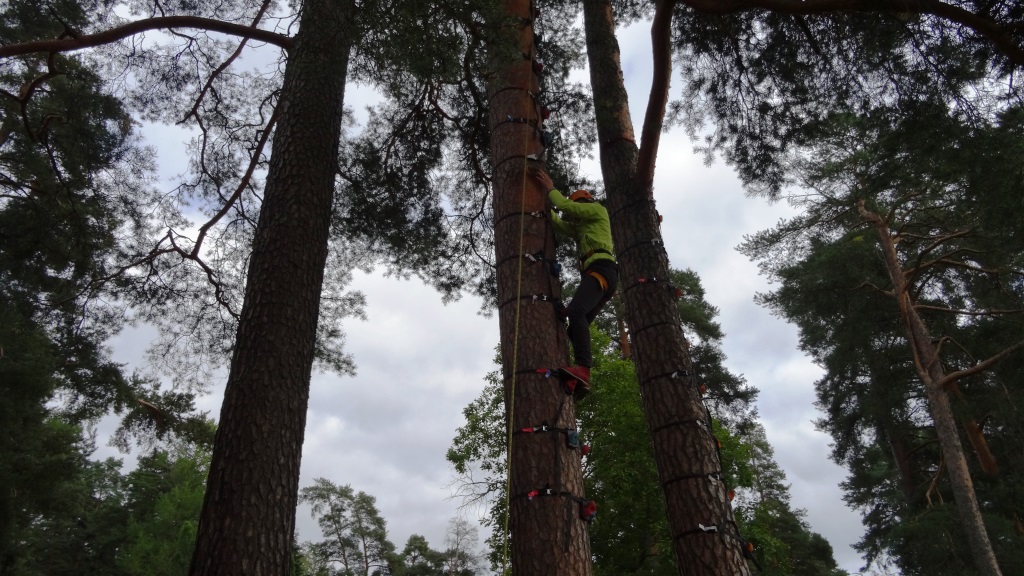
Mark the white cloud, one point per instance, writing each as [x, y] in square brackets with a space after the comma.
[386, 430]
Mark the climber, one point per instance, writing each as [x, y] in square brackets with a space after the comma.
[586, 222]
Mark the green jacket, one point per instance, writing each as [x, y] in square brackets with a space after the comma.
[586, 223]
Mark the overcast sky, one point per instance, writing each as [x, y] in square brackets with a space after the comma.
[385, 431]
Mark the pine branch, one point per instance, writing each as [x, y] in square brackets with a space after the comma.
[242, 184]
[953, 377]
[224, 65]
[71, 44]
[1000, 35]
[997, 312]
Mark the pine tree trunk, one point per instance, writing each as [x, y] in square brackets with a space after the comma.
[901, 456]
[248, 518]
[704, 534]
[930, 369]
[548, 536]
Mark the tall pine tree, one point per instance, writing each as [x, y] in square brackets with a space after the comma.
[865, 289]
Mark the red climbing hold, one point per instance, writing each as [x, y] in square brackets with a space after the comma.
[588, 511]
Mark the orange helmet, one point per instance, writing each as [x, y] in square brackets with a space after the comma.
[581, 195]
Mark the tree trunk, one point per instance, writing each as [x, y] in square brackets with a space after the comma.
[548, 536]
[930, 370]
[248, 517]
[625, 351]
[975, 434]
[901, 456]
[704, 535]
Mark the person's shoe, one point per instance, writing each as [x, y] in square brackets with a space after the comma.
[580, 380]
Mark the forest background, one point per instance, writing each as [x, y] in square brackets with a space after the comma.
[420, 361]
[389, 404]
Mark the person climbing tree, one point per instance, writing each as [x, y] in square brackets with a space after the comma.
[586, 222]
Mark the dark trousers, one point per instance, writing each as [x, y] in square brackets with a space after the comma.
[586, 303]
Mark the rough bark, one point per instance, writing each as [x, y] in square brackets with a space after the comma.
[248, 517]
[930, 370]
[704, 535]
[548, 537]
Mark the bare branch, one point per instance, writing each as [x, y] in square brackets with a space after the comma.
[871, 285]
[226, 63]
[967, 312]
[71, 44]
[25, 94]
[945, 238]
[211, 275]
[953, 377]
[253, 163]
[950, 263]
